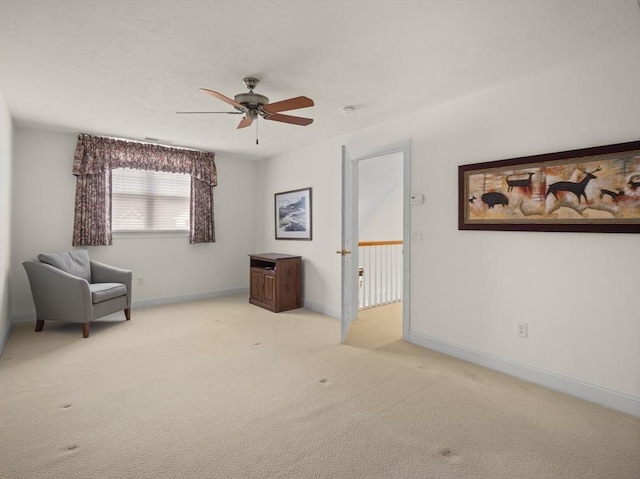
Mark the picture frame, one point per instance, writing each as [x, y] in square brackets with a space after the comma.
[293, 214]
[593, 189]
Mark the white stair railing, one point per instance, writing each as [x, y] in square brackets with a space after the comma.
[379, 273]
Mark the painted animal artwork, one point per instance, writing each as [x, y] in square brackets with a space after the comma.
[613, 194]
[577, 188]
[494, 198]
[515, 182]
[582, 189]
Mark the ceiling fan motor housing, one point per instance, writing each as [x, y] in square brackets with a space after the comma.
[251, 100]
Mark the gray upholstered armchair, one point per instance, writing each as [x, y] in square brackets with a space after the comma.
[71, 287]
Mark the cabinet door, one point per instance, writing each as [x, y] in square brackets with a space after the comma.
[255, 288]
[269, 288]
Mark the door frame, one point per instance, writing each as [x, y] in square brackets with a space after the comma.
[350, 189]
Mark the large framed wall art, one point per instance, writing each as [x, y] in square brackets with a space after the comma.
[588, 190]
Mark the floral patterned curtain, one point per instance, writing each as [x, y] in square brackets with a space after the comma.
[96, 156]
[202, 228]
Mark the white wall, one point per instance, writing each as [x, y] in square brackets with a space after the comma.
[380, 189]
[173, 269]
[474, 285]
[317, 167]
[385, 222]
[578, 292]
[6, 158]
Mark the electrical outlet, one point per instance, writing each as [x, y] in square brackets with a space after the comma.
[522, 330]
[140, 281]
[416, 237]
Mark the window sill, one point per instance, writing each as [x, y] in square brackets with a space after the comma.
[150, 234]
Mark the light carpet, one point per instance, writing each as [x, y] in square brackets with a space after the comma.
[223, 389]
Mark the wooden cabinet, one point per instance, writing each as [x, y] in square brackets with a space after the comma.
[275, 281]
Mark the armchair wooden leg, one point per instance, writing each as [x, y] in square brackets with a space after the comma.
[39, 325]
[85, 329]
[127, 313]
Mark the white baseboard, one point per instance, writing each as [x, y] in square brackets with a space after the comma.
[149, 302]
[321, 308]
[23, 318]
[589, 392]
[185, 298]
[5, 338]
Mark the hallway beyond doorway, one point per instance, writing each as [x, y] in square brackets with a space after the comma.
[377, 327]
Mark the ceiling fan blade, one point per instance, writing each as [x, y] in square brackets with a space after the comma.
[220, 96]
[295, 120]
[208, 112]
[290, 104]
[245, 122]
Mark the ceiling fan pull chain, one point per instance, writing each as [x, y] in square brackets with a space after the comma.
[257, 121]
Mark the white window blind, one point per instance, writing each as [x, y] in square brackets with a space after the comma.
[149, 200]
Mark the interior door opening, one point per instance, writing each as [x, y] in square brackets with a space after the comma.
[376, 233]
[380, 244]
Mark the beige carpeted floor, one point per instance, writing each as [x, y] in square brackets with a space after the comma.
[223, 389]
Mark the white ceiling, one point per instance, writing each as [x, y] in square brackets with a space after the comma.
[124, 67]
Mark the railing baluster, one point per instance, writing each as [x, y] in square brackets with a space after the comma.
[382, 273]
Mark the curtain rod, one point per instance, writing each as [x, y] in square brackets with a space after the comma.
[143, 142]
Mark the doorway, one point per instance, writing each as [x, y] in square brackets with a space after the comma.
[380, 189]
[376, 215]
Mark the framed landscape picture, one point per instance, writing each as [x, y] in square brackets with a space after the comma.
[588, 190]
[293, 214]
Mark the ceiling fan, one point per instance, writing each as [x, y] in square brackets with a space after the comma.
[252, 105]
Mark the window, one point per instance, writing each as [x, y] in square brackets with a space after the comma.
[145, 200]
[94, 160]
